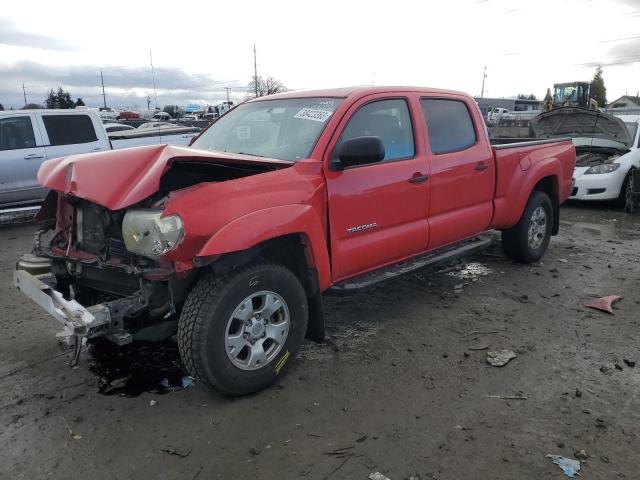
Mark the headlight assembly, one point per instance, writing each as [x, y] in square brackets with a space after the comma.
[604, 168]
[146, 233]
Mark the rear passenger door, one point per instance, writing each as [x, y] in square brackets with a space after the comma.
[21, 153]
[462, 170]
[66, 134]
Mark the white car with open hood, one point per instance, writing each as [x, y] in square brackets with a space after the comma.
[607, 149]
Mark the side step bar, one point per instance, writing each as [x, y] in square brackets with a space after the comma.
[367, 280]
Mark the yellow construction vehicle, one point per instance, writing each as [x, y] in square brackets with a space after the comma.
[572, 94]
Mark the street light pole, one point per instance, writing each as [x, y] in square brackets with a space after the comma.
[484, 75]
[255, 69]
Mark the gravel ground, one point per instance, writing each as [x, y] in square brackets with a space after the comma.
[402, 387]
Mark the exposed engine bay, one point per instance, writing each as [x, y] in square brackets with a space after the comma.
[590, 156]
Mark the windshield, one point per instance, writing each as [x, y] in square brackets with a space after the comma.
[633, 128]
[281, 129]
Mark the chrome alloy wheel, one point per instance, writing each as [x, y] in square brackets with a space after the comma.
[257, 330]
[537, 228]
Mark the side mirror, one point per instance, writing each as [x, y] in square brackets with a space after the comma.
[359, 151]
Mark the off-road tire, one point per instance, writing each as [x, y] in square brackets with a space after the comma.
[203, 322]
[515, 240]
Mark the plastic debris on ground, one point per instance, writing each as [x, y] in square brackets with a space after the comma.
[499, 358]
[604, 303]
[378, 476]
[569, 466]
[186, 382]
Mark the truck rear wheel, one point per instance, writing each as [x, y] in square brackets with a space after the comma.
[527, 241]
[239, 332]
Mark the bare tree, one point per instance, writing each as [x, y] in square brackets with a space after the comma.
[266, 86]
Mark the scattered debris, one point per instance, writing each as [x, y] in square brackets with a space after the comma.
[499, 358]
[73, 435]
[629, 363]
[186, 382]
[153, 402]
[479, 347]
[341, 452]
[604, 459]
[478, 332]
[378, 476]
[569, 466]
[581, 454]
[617, 366]
[182, 452]
[578, 393]
[255, 451]
[509, 397]
[562, 260]
[604, 303]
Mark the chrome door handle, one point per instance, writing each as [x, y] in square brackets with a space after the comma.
[481, 167]
[419, 179]
[97, 149]
[33, 155]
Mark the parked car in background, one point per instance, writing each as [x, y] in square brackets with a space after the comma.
[607, 146]
[161, 116]
[117, 127]
[29, 137]
[127, 115]
[108, 114]
[231, 243]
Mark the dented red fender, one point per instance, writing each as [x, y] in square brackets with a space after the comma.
[259, 226]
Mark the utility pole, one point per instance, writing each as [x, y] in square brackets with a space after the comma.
[255, 68]
[484, 75]
[148, 102]
[227, 89]
[104, 98]
[24, 92]
[153, 75]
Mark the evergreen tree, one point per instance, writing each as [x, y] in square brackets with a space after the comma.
[598, 90]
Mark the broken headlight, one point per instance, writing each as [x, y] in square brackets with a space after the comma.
[148, 234]
[604, 168]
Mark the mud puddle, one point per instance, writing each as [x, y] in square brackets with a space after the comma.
[137, 368]
[470, 271]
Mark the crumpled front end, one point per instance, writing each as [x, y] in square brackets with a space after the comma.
[95, 286]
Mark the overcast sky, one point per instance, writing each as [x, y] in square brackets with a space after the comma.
[201, 47]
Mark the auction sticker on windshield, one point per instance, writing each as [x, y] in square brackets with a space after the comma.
[315, 114]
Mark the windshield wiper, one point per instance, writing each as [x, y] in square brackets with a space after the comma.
[250, 154]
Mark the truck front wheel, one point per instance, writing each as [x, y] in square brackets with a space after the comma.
[239, 332]
[527, 241]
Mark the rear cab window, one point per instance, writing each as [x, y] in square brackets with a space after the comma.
[69, 129]
[449, 125]
[388, 119]
[16, 133]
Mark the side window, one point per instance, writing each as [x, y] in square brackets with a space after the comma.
[387, 119]
[69, 129]
[16, 133]
[449, 125]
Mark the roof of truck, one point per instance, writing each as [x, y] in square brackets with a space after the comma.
[357, 91]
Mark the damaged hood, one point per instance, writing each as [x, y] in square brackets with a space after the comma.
[120, 178]
[580, 122]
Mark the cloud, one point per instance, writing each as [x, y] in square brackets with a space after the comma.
[125, 86]
[12, 36]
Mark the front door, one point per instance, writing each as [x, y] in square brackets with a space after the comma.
[378, 212]
[21, 154]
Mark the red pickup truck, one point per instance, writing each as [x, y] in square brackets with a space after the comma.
[231, 243]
